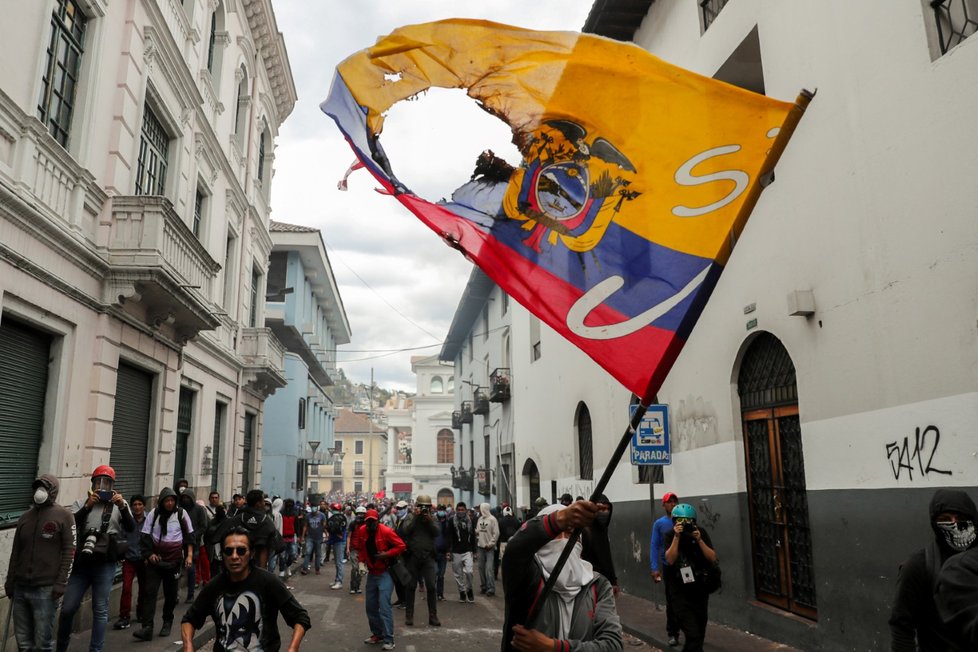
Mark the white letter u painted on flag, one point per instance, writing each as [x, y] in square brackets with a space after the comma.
[600, 292]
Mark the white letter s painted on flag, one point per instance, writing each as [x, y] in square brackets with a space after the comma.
[684, 177]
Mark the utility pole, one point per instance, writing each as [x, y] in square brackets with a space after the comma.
[370, 437]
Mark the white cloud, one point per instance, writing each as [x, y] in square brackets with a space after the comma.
[432, 144]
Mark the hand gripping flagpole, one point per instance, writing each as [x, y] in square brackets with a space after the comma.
[767, 168]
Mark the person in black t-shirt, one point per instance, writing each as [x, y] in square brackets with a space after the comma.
[245, 602]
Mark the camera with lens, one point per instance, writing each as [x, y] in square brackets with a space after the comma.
[91, 538]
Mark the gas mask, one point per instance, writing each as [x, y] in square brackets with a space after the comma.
[102, 487]
[958, 535]
[40, 496]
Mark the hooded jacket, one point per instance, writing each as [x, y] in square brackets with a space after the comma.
[914, 621]
[44, 543]
[486, 528]
[199, 516]
[597, 544]
[594, 624]
[166, 534]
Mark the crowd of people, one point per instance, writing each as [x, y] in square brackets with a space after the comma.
[237, 560]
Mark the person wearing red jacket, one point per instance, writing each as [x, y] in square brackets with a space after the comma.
[378, 546]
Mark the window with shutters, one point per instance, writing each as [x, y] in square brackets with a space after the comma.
[131, 428]
[154, 151]
[584, 453]
[446, 446]
[24, 355]
[185, 410]
[358, 447]
[358, 487]
[256, 277]
[358, 468]
[59, 81]
[220, 410]
[249, 439]
[199, 200]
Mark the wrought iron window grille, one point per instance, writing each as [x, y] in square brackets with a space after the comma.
[956, 20]
[710, 9]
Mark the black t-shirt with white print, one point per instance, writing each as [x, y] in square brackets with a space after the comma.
[246, 612]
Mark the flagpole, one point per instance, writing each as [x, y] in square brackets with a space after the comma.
[599, 488]
[765, 176]
[767, 168]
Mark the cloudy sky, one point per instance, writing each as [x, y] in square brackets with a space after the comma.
[399, 284]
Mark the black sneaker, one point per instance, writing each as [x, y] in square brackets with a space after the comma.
[461, 597]
[122, 623]
[144, 633]
[165, 629]
[469, 596]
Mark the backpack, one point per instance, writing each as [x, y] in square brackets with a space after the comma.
[336, 525]
[183, 526]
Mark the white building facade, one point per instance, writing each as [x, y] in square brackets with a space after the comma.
[421, 443]
[136, 151]
[828, 388]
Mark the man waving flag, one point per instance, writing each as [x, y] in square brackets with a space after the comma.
[636, 179]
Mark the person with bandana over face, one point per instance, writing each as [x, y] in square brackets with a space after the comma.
[357, 567]
[40, 561]
[461, 545]
[597, 545]
[914, 621]
[377, 546]
[580, 611]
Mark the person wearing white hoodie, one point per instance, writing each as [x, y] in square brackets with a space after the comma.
[487, 534]
[277, 518]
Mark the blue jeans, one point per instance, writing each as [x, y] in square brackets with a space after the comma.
[34, 617]
[191, 573]
[83, 575]
[442, 560]
[287, 557]
[378, 603]
[487, 574]
[339, 549]
[313, 549]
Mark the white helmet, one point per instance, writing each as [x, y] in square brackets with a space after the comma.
[361, 510]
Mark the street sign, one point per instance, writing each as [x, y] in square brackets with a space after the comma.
[650, 443]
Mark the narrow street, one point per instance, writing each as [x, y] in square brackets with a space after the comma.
[339, 622]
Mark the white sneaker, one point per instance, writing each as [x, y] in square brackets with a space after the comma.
[387, 646]
[336, 585]
[281, 573]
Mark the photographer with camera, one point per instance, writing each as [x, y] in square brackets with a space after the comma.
[689, 558]
[419, 532]
[101, 522]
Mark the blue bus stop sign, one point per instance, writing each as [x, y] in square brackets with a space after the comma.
[650, 443]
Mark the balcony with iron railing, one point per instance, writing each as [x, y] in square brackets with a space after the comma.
[466, 412]
[480, 401]
[457, 420]
[263, 358]
[499, 382]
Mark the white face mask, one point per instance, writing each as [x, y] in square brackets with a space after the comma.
[41, 496]
[958, 536]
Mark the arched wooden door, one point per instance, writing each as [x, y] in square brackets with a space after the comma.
[780, 528]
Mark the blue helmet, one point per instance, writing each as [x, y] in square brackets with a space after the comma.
[684, 510]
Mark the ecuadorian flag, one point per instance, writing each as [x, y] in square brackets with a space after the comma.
[636, 179]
